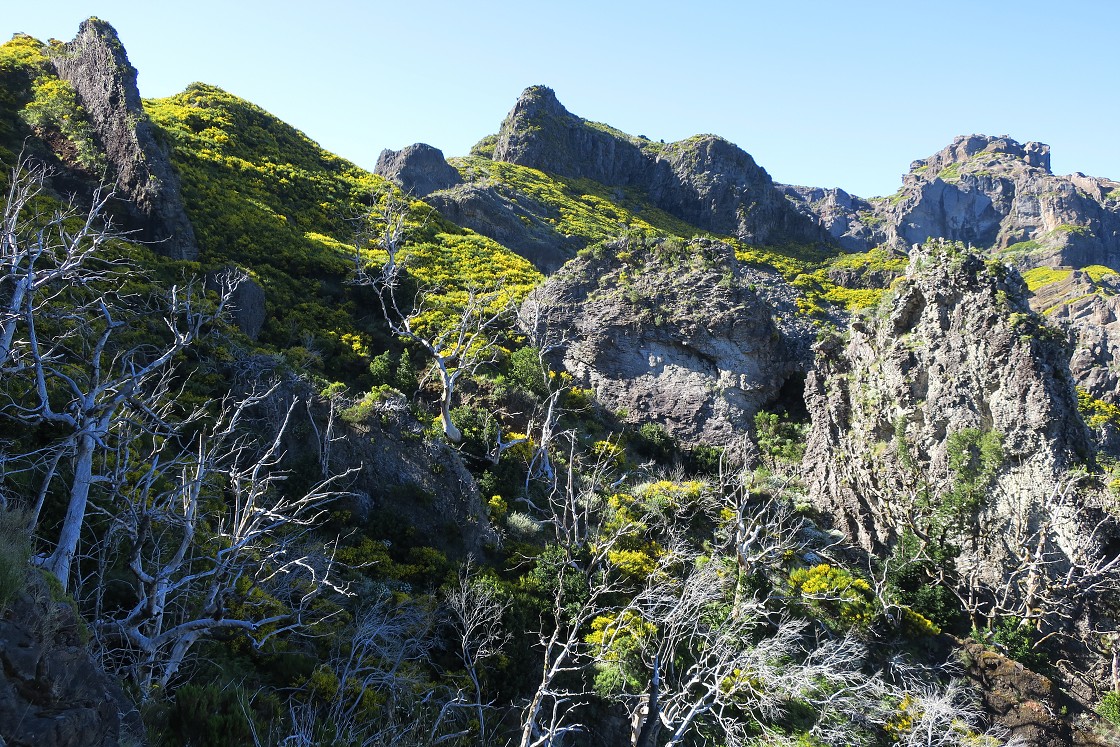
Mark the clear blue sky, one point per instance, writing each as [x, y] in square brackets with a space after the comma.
[828, 94]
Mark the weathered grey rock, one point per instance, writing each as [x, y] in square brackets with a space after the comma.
[680, 335]
[954, 347]
[418, 169]
[704, 180]
[96, 65]
[515, 220]
[51, 691]
[1089, 311]
[847, 219]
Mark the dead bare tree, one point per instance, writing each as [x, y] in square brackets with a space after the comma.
[211, 539]
[586, 587]
[88, 387]
[458, 344]
[43, 252]
[64, 332]
[476, 617]
[385, 661]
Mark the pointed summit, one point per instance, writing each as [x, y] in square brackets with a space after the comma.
[705, 180]
[96, 65]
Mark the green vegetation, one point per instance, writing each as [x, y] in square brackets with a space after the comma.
[1109, 708]
[46, 104]
[1040, 277]
[263, 196]
[577, 207]
[1097, 413]
[1075, 230]
[628, 555]
[15, 549]
[975, 458]
[1016, 638]
[779, 440]
[1022, 248]
[1096, 272]
[834, 594]
[951, 173]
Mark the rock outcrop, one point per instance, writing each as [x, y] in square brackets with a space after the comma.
[51, 691]
[1089, 310]
[246, 307]
[413, 488]
[678, 334]
[513, 219]
[1032, 709]
[418, 169]
[847, 219]
[952, 355]
[990, 192]
[704, 180]
[96, 65]
[416, 488]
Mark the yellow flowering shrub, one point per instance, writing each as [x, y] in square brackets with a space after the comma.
[834, 594]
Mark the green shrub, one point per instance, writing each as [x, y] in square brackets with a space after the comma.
[209, 716]
[15, 549]
[654, 442]
[975, 458]
[914, 575]
[524, 371]
[779, 440]
[1016, 639]
[1109, 708]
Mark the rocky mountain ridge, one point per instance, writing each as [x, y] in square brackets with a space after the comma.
[990, 192]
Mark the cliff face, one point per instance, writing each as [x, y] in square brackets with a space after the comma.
[1088, 310]
[681, 335]
[954, 347]
[987, 192]
[703, 180]
[951, 413]
[96, 65]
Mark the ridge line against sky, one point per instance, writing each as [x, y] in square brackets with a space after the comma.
[820, 93]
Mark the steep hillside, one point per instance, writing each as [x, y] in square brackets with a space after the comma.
[265, 197]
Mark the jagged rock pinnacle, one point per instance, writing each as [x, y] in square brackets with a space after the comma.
[96, 65]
